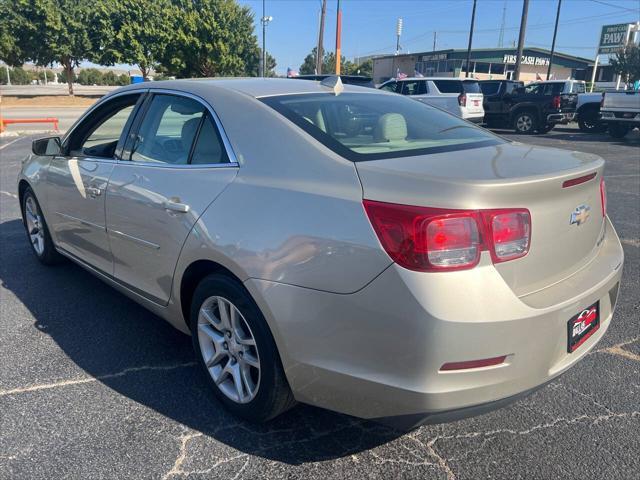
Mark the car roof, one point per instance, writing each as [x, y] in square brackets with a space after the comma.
[433, 78]
[253, 87]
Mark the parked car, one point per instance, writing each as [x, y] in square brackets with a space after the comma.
[536, 107]
[459, 96]
[359, 80]
[620, 111]
[355, 250]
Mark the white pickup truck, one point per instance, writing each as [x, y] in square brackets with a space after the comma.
[621, 112]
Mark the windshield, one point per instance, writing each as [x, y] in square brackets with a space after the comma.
[361, 126]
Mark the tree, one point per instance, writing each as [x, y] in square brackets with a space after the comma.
[308, 66]
[627, 63]
[135, 32]
[17, 75]
[48, 31]
[90, 76]
[210, 38]
[62, 77]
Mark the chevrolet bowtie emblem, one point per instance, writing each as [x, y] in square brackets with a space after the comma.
[580, 215]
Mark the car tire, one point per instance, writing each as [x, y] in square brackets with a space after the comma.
[223, 338]
[37, 230]
[588, 122]
[617, 130]
[525, 122]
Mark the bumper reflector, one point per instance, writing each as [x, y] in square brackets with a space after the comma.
[485, 362]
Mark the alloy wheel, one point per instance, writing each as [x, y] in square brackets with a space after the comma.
[524, 123]
[229, 349]
[35, 226]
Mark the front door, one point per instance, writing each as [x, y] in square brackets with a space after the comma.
[176, 167]
[78, 182]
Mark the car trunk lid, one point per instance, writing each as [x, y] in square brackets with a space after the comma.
[566, 222]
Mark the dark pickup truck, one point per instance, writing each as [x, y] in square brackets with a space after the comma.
[534, 108]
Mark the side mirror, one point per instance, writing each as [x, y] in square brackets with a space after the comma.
[47, 146]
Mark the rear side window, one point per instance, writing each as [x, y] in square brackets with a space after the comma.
[168, 130]
[449, 86]
[552, 88]
[490, 88]
[361, 126]
[578, 88]
[208, 148]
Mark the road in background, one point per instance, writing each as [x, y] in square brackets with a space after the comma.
[94, 386]
[60, 89]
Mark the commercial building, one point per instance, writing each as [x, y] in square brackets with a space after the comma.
[486, 63]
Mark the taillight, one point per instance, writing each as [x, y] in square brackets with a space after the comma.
[510, 234]
[555, 103]
[462, 99]
[432, 239]
[603, 197]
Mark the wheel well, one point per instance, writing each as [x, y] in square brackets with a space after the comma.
[192, 277]
[22, 187]
[589, 108]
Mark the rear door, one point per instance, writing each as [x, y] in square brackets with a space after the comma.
[77, 181]
[175, 165]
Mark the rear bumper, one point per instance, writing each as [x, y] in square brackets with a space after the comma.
[476, 120]
[620, 117]
[562, 118]
[377, 353]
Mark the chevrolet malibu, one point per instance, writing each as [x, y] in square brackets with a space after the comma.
[338, 246]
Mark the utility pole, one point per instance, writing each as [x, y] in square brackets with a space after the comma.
[320, 48]
[398, 33]
[553, 43]
[265, 21]
[435, 38]
[8, 76]
[473, 20]
[523, 28]
[338, 32]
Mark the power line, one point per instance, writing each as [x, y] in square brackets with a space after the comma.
[635, 10]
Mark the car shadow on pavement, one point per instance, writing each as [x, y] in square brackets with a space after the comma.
[575, 135]
[142, 357]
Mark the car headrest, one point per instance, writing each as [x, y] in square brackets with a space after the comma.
[391, 126]
[189, 129]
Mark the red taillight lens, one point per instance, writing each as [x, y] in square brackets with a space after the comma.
[511, 233]
[462, 99]
[485, 362]
[453, 242]
[603, 197]
[555, 103]
[431, 239]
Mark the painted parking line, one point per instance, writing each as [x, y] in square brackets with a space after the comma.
[3, 146]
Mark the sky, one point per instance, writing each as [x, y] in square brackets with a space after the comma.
[369, 26]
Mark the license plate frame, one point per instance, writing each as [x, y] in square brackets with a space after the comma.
[582, 326]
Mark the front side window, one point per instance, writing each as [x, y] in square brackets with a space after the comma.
[361, 126]
[168, 130]
[413, 87]
[533, 89]
[390, 87]
[98, 134]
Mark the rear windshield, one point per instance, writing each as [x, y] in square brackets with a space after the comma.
[361, 126]
[490, 88]
[457, 86]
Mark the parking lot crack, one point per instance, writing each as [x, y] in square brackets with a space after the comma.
[619, 350]
[440, 460]
[79, 381]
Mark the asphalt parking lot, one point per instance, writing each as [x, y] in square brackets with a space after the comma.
[94, 386]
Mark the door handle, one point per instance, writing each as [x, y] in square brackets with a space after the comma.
[174, 206]
[93, 192]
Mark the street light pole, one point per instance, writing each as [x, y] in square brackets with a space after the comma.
[523, 28]
[320, 48]
[473, 20]
[265, 21]
[553, 43]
